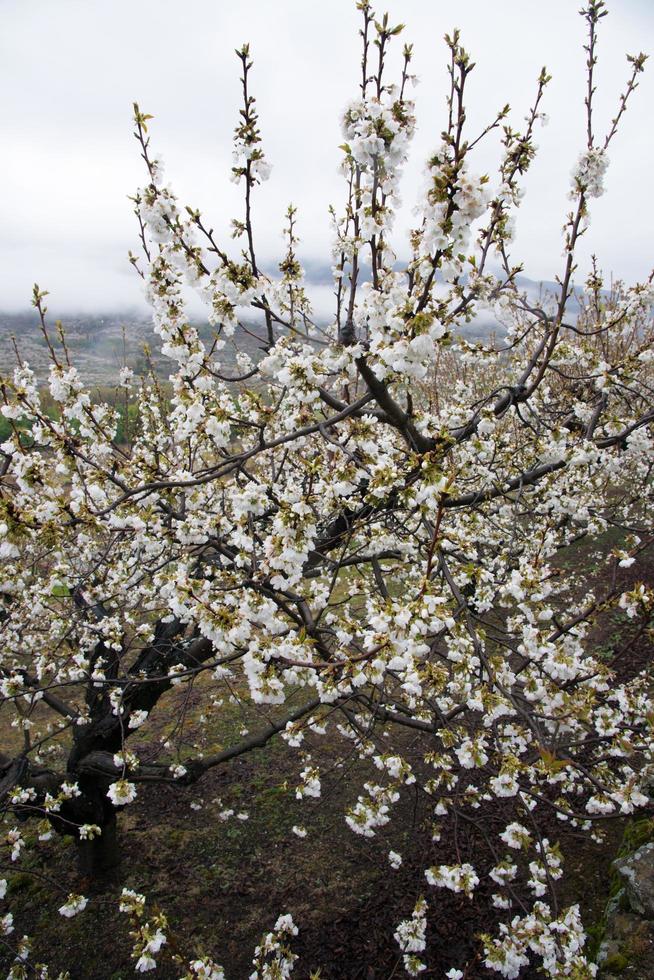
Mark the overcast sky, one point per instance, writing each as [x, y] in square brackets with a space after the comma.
[70, 70]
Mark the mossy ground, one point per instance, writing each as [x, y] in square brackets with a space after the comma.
[223, 883]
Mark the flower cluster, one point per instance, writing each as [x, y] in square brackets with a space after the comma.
[410, 936]
[588, 175]
[273, 957]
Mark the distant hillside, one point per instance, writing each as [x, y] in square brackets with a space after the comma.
[101, 344]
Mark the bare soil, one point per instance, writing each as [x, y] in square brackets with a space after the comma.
[223, 883]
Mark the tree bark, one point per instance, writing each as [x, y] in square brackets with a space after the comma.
[98, 857]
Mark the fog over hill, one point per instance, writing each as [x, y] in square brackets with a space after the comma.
[101, 343]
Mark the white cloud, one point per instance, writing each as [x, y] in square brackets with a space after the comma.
[74, 68]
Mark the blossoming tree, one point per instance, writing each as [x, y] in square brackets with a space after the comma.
[360, 530]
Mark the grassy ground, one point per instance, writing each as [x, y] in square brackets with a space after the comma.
[222, 883]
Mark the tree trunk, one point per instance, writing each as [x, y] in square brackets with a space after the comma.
[98, 857]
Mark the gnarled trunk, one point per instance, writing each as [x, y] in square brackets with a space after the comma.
[98, 857]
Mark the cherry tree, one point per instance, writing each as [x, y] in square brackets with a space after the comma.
[358, 529]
